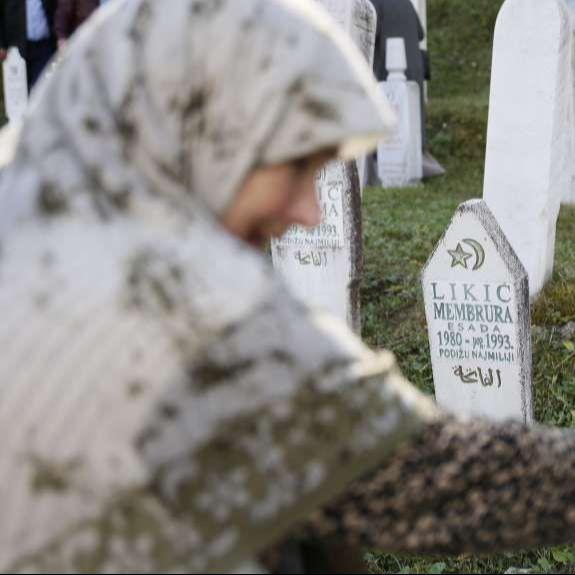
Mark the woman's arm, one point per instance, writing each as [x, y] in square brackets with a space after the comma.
[286, 412]
[274, 418]
[463, 487]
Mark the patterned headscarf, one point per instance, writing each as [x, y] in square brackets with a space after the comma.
[185, 99]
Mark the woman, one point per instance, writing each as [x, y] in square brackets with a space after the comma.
[166, 405]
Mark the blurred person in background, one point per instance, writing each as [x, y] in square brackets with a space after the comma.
[399, 19]
[29, 26]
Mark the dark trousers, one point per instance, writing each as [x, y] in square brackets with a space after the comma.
[38, 54]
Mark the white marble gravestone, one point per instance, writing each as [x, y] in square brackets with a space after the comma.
[477, 307]
[15, 85]
[359, 19]
[569, 198]
[529, 138]
[323, 265]
[363, 27]
[399, 157]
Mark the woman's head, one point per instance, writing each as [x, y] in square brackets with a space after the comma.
[273, 198]
[187, 101]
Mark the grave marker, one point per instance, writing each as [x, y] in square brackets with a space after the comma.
[477, 307]
[323, 265]
[528, 169]
[359, 19]
[363, 28]
[399, 157]
[569, 198]
[15, 85]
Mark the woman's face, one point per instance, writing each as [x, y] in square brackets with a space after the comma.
[274, 198]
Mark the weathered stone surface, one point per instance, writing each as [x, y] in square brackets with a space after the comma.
[363, 27]
[359, 19]
[477, 307]
[323, 265]
[529, 158]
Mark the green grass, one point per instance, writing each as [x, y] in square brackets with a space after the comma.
[460, 40]
[401, 228]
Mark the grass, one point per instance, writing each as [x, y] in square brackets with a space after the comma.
[401, 228]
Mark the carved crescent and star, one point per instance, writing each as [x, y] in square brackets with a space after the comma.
[459, 257]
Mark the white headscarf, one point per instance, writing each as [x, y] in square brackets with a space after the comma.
[190, 96]
[140, 342]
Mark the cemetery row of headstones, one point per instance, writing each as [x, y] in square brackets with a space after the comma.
[476, 289]
[474, 285]
[400, 157]
[478, 282]
[481, 278]
[497, 254]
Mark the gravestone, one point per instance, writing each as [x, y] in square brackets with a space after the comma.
[477, 307]
[363, 28]
[359, 19]
[528, 168]
[323, 265]
[569, 198]
[399, 157]
[15, 85]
